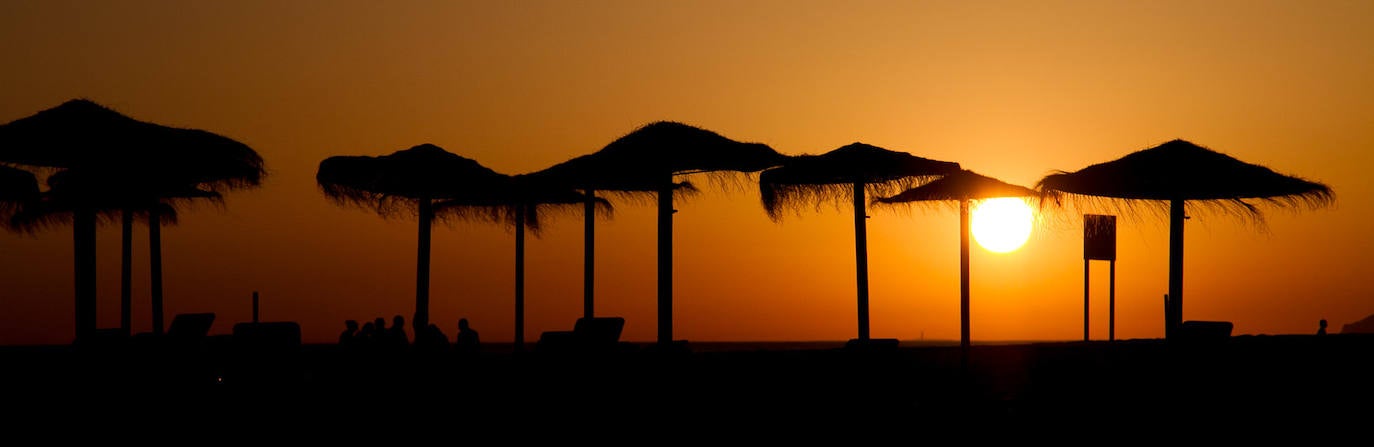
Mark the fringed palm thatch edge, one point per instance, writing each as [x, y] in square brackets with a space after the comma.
[18, 188]
[779, 198]
[33, 219]
[681, 190]
[385, 205]
[506, 210]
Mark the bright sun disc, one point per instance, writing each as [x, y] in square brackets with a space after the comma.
[1002, 224]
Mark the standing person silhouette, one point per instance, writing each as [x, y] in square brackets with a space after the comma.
[466, 342]
[367, 336]
[381, 338]
[349, 337]
[431, 339]
[1321, 327]
[396, 334]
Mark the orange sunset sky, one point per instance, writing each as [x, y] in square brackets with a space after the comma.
[1010, 89]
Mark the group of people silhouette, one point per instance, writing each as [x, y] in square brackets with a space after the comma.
[375, 335]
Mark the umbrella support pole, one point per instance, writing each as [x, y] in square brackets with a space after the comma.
[421, 319]
[520, 278]
[964, 339]
[126, 248]
[665, 264]
[83, 230]
[155, 267]
[861, 258]
[1175, 313]
[588, 255]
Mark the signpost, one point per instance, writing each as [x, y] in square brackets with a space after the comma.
[1099, 243]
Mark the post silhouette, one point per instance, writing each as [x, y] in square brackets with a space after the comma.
[589, 255]
[126, 247]
[861, 257]
[964, 339]
[1099, 243]
[1111, 302]
[83, 230]
[155, 261]
[422, 262]
[1085, 298]
[520, 278]
[1175, 313]
[665, 262]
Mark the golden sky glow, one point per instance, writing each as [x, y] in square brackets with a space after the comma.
[1010, 89]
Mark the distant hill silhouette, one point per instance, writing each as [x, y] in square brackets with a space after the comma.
[1365, 326]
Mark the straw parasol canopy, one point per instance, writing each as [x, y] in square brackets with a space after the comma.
[643, 164]
[17, 187]
[1185, 177]
[407, 183]
[849, 173]
[964, 186]
[81, 134]
[523, 203]
[646, 158]
[151, 162]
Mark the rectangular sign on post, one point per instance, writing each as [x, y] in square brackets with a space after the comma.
[1099, 237]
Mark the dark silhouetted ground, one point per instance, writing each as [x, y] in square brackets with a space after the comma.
[1294, 380]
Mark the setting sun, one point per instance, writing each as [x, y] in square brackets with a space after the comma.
[1001, 225]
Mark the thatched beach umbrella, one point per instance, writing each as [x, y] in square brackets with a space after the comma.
[162, 161]
[1181, 175]
[963, 187]
[407, 182]
[846, 174]
[523, 203]
[643, 163]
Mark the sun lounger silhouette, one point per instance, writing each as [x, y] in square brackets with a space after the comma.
[597, 334]
[1205, 331]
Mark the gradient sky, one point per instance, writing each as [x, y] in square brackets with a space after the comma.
[1010, 89]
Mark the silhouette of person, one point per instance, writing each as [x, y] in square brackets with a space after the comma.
[431, 338]
[367, 335]
[466, 342]
[379, 334]
[396, 335]
[1321, 327]
[349, 337]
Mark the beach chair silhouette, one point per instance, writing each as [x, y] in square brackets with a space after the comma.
[190, 327]
[597, 334]
[187, 331]
[1205, 331]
